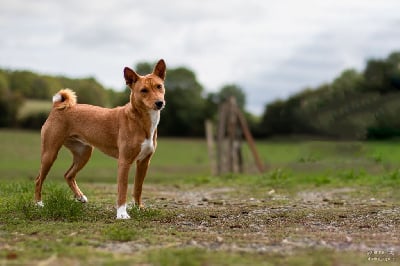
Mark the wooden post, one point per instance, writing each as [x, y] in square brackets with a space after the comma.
[220, 139]
[210, 146]
[229, 153]
[232, 127]
[250, 140]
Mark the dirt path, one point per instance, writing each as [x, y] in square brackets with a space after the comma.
[228, 219]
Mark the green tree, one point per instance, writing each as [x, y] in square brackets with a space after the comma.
[214, 99]
[184, 112]
[88, 90]
[233, 90]
[346, 108]
[348, 82]
[272, 121]
[91, 92]
[383, 75]
[144, 68]
[40, 88]
[20, 81]
[10, 102]
[376, 76]
[4, 85]
[394, 61]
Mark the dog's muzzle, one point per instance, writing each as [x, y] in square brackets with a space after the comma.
[159, 105]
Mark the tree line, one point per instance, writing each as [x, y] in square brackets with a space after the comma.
[188, 105]
[355, 105]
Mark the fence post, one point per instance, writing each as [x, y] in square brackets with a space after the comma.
[231, 125]
[210, 146]
[250, 140]
[220, 139]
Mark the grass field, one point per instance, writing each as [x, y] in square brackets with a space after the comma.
[31, 106]
[319, 203]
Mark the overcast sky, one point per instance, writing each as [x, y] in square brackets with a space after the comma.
[270, 48]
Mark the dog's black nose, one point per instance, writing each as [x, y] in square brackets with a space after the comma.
[159, 104]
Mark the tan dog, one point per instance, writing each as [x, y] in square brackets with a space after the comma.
[127, 133]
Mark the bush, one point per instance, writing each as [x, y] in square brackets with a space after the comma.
[382, 132]
[33, 121]
[9, 106]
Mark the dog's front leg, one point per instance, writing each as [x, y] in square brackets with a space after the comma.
[123, 173]
[141, 170]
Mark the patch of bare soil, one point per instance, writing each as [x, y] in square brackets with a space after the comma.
[227, 219]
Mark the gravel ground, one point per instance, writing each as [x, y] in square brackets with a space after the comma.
[228, 219]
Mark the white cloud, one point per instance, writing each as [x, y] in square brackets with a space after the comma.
[270, 48]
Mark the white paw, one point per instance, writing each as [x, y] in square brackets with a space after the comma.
[40, 204]
[124, 216]
[121, 212]
[82, 199]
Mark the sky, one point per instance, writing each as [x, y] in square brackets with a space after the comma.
[271, 49]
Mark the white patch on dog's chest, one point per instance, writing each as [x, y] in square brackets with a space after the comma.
[147, 146]
[146, 149]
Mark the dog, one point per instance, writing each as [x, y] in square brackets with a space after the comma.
[127, 133]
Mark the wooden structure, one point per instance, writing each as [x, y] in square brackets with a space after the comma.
[232, 126]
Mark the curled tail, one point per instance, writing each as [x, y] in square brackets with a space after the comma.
[64, 99]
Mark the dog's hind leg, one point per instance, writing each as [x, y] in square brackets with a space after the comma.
[81, 154]
[48, 156]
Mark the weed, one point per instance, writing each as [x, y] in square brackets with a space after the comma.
[390, 178]
[308, 158]
[352, 175]
[144, 214]
[395, 175]
[59, 206]
[197, 257]
[15, 188]
[177, 257]
[277, 178]
[322, 180]
[129, 230]
[278, 174]
[377, 157]
[122, 231]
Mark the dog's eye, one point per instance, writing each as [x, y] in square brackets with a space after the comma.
[144, 90]
[159, 86]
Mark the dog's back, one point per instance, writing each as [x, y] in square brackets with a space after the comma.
[90, 124]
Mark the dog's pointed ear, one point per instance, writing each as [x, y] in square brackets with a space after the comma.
[130, 76]
[160, 69]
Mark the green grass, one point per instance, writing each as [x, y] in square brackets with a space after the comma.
[199, 257]
[187, 160]
[20, 159]
[34, 106]
[171, 231]
[291, 165]
[64, 226]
